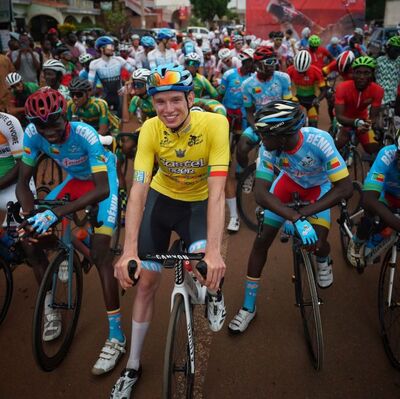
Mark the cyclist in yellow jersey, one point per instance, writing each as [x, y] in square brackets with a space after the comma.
[186, 195]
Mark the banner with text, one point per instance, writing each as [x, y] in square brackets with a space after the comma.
[324, 18]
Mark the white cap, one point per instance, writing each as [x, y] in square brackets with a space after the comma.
[334, 40]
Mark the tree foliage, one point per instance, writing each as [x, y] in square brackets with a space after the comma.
[207, 9]
[115, 19]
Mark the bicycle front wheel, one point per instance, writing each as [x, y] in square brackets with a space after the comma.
[389, 309]
[6, 289]
[178, 380]
[309, 304]
[49, 353]
[245, 197]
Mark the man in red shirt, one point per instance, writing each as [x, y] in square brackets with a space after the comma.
[319, 54]
[352, 99]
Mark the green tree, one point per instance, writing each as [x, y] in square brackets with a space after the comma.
[115, 19]
[206, 9]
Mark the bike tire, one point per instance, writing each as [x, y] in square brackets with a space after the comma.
[178, 380]
[49, 355]
[47, 172]
[389, 316]
[353, 207]
[309, 304]
[7, 287]
[245, 197]
[358, 168]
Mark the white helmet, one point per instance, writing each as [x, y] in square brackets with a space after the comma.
[306, 32]
[246, 54]
[192, 57]
[206, 50]
[302, 61]
[135, 37]
[224, 53]
[85, 58]
[141, 74]
[13, 78]
[124, 47]
[334, 40]
[199, 36]
[54, 65]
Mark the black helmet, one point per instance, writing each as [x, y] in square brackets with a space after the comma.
[279, 118]
[78, 84]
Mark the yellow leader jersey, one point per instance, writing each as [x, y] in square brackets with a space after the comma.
[185, 158]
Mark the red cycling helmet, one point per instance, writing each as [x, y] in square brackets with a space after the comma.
[344, 61]
[45, 105]
[263, 52]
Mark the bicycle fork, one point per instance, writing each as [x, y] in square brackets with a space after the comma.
[392, 266]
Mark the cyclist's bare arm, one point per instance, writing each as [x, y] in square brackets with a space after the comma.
[370, 202]
[344, 120]
[24, 194]
[269, 201]
[11, 176]
[215, 228]
[125, 103]
[250, 115]
[341, 189]
[134, 214]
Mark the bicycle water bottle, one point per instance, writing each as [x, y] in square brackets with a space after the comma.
[375, 243]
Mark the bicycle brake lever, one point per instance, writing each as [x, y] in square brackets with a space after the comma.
[132, 266]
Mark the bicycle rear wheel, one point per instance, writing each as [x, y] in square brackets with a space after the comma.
[357, 168]
[353, 209]
[49, 354]
[178, 380]
[389, 309]
[6, 289]
[245, 197]
[47, 172]
[308, 302]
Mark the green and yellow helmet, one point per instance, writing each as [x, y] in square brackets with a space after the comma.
[314, 41]
[393, 41]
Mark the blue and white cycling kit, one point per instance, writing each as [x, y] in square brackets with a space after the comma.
[80, 155]
[258, 94]
[312, 165]
[108, 71]
[384, 175]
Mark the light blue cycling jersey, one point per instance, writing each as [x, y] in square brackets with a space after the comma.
[257, 93]
[384, 175]
[80, 155]
[313, 162]
[231, 88]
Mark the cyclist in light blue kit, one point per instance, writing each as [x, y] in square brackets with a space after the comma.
[107, 69]
[310, 165]
[91, 179]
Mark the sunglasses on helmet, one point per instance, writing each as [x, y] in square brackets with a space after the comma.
[192, 63]
[51, 119]
[170, 78]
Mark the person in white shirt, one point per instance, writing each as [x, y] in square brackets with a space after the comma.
[237, 45]
[163, 54]
[136, 47]
[149, 44]
[226, 61]
[210, 63]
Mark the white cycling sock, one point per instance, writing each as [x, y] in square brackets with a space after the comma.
[231, 202]
[139, 331]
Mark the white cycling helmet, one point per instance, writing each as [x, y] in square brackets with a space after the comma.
[13, 78]
[124, 47]
[192, 57]
[85, 58]
[206, 50]
[224, 54]
[135, 37]
[54, 65]
[197, 108]
[302, 61]
[141, 74]
[334, 40]
[306, 32]
[246, 54]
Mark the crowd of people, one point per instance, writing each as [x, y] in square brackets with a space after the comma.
[202, 104]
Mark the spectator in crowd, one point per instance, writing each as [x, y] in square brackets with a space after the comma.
[90, 48]
[305, 34]
[71, 43]
[135, 46]
[148, 44]
[290, 42]
[6, 67]
[52, 35]
[26, 61]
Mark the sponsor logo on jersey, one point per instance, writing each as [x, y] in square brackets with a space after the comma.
[268, 165]
[5, 150]
[87, 134]
[180, 153]
[195, 140]
[183, 168]
[322, 143]
[27, 150]
[307, 161]
[284, 163]
[67, 162]
[257, 90]
[141, 176]
[9, 123]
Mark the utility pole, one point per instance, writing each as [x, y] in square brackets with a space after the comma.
[142, 16]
